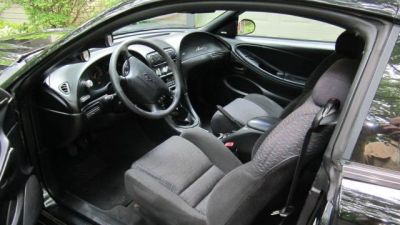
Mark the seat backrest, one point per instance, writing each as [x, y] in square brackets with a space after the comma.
[349, 45]
[246, 190]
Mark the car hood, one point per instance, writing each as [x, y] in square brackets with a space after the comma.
[12, 48]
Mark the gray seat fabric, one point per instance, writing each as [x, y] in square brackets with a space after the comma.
[348, 45]
[177, 177]
[195, 179]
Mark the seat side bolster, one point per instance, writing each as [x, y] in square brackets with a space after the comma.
[159, 201]
[272, 108]
[243, 193]
[213, 148]
[229, 195]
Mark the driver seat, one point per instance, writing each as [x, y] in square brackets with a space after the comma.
[194, 179]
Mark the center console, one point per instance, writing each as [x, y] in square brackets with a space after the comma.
[183, 116]
[160, 66]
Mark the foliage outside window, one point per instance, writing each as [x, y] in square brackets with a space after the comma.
[276, 25]
[45, 14]
[379, 141]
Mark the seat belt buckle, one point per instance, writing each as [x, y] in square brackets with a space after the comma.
[285, 212]
[231, 146]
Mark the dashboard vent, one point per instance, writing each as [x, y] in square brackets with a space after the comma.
[64, 88]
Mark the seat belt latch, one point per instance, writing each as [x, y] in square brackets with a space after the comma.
[327, 114]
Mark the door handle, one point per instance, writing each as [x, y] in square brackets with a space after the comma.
[260, 63]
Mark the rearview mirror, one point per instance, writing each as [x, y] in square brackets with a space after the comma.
[246, 26]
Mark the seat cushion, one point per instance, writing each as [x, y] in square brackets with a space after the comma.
[243, 110]
[174, 180]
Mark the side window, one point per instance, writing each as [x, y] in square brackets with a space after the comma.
[379, 140]
[283, 26]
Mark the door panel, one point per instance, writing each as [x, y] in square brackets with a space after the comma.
[366, 193]
[277, 69]
[20, 191]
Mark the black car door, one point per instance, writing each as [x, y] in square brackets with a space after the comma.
[20, 191]
[278, 55]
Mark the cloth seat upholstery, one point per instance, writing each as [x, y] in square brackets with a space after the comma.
[194, 179]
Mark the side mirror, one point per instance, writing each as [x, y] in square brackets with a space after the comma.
[246, 26]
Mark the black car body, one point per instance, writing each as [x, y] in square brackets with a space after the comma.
[64, 125]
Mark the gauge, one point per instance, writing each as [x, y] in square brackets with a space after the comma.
[98, 77]
[85, 55]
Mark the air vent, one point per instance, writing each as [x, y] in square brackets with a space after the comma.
[64, 88]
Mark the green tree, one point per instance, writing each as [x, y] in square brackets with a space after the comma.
[5, 4]
[62, 13]
[54, 13]
[45, 14]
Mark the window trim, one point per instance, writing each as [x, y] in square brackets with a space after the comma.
[267, 41]
[371, 174]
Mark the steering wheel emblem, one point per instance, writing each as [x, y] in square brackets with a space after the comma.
[126, 69]
[147, 77]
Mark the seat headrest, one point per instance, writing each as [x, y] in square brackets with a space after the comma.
[335, 82]
[349, 44]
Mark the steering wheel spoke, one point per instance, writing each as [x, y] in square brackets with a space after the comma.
[126, 54]
[154, 107]
[121, 78]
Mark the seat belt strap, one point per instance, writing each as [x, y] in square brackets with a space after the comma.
[327, 116]
[229, 116]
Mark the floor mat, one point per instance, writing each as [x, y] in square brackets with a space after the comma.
[98, 176]
[128, 215]
[106, 189]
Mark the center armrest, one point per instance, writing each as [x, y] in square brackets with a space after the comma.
[263, 123]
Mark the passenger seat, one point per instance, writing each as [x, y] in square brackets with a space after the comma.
[348, 45]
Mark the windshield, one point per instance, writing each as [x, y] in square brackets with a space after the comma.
[19, 42]
[13, 47]
[173, 20]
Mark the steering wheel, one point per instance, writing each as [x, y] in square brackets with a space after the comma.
[139, 84]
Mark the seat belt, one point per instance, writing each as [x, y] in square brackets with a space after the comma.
[229, 117]
[327, 116]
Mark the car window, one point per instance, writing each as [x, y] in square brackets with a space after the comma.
[173, 20]
[283, 26]
[379, 140]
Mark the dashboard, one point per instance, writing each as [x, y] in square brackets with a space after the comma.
[201, 45]
[83, 86]
[97, 77]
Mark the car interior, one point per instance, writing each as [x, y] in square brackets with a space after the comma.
[188, 126]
